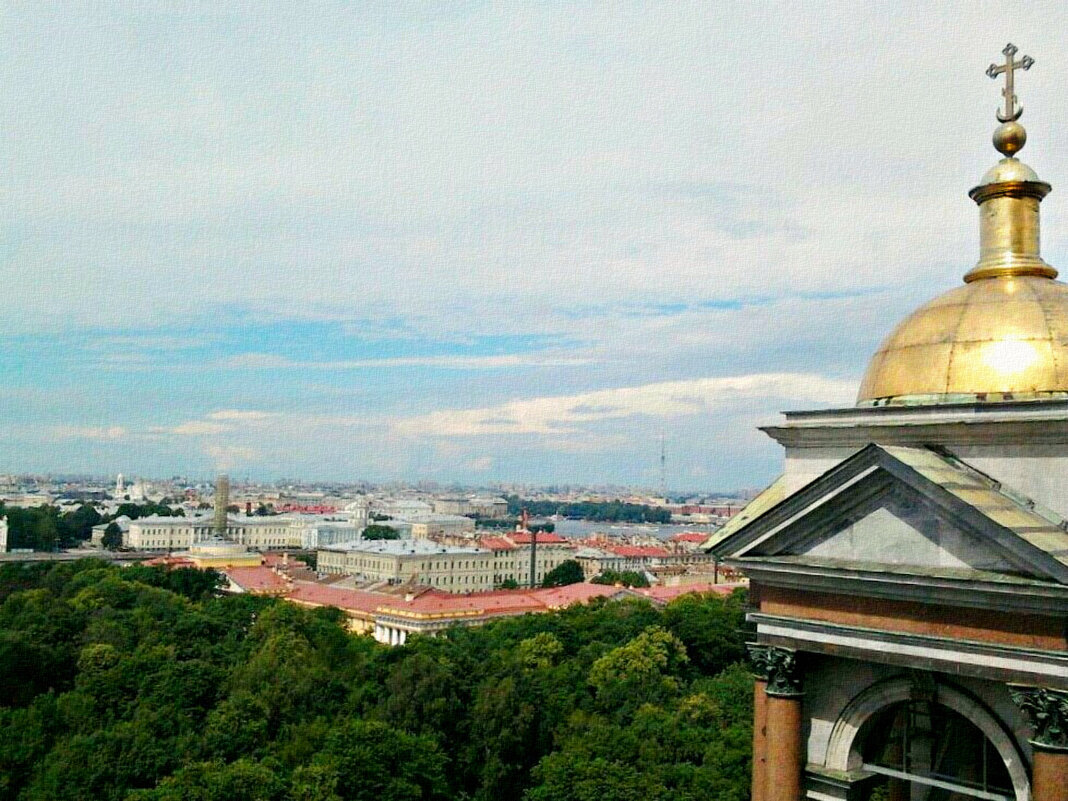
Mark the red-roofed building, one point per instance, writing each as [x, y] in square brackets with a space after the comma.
[260, 580]
[665, 595]
[652, 559]
[638, 551]
[689, 540]
[543, 538]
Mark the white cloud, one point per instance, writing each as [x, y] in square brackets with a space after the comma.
[567, 414]
[196, 428]
[242, 415]
[87, 432]
[258, 361]
[227, 457]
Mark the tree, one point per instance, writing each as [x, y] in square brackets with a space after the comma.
[628, 578]
[370, 761]
[567, 572]
[77, 526]
[45, 532]
[112, 538]
[375, 532]
[642, 671]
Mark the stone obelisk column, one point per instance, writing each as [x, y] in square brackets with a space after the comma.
[784, 746]
[1047, 711]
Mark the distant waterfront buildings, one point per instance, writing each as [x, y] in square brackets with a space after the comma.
[482, 566]
[167, 534]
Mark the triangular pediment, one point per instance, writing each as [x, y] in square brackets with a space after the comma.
[906, 509]
[898, 533]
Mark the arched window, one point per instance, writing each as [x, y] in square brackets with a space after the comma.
[923, 743]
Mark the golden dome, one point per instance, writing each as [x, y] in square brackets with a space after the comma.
[994, 339]
[1004, 334]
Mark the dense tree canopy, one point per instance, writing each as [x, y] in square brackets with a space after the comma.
[376, 532]
[567, 572]
[139, 684]
[606, 511]
[625, 578]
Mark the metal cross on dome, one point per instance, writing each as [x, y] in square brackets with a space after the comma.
[1012, 111]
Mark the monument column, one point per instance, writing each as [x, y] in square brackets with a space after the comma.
[784, 746]
[758, 654]
[1047, 711]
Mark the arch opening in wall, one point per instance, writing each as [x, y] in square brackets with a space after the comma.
[941, 739]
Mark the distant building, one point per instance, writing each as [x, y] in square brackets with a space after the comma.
[447, 567]
[637, 558]
[433, 526]
[414, 561]
[494, 508]
[3, 534]
[166, 534]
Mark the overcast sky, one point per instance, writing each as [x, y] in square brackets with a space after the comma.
[482, 241]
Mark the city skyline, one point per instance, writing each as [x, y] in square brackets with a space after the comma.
[482, 245]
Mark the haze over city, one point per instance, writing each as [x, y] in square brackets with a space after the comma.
[475, 245]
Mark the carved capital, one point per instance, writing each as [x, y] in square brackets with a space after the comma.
[758, 659]
[784, 672]
[1047, 711]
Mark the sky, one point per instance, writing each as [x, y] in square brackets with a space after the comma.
[482, 242]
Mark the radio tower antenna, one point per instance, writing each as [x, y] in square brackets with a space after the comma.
[663, 471]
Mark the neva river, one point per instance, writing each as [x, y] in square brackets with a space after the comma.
[578, 529]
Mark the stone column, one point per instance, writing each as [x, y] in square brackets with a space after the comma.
[785, 749]
[758, 654]
[1047, 710]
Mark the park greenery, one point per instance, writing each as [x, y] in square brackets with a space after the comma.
[625, 578]
[47, 528]
[599, 511]
[139, 684]
[567, 572]
[378, 532]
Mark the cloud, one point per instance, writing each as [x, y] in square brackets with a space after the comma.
[242, 415]
[264, 361]
[560, 415]
[227, 457]
[196, 428]
[87, 432]
[480, 464]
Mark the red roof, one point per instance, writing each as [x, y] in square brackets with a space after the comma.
[690, 536]
[257, 579]
[559, 597]
[497, 544]
[322, 595]
[665, 594]
[495, 602]
[440, 604]
[544, 538]
[637, 550]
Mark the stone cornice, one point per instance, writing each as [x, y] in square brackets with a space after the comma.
[1009, 596]
[1049, 431]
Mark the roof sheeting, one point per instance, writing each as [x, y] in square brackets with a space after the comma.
[771, 495]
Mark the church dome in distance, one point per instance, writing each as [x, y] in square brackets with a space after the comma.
[1003, 336]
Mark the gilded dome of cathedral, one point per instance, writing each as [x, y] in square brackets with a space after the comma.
[1004, 334]
[993, 339]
